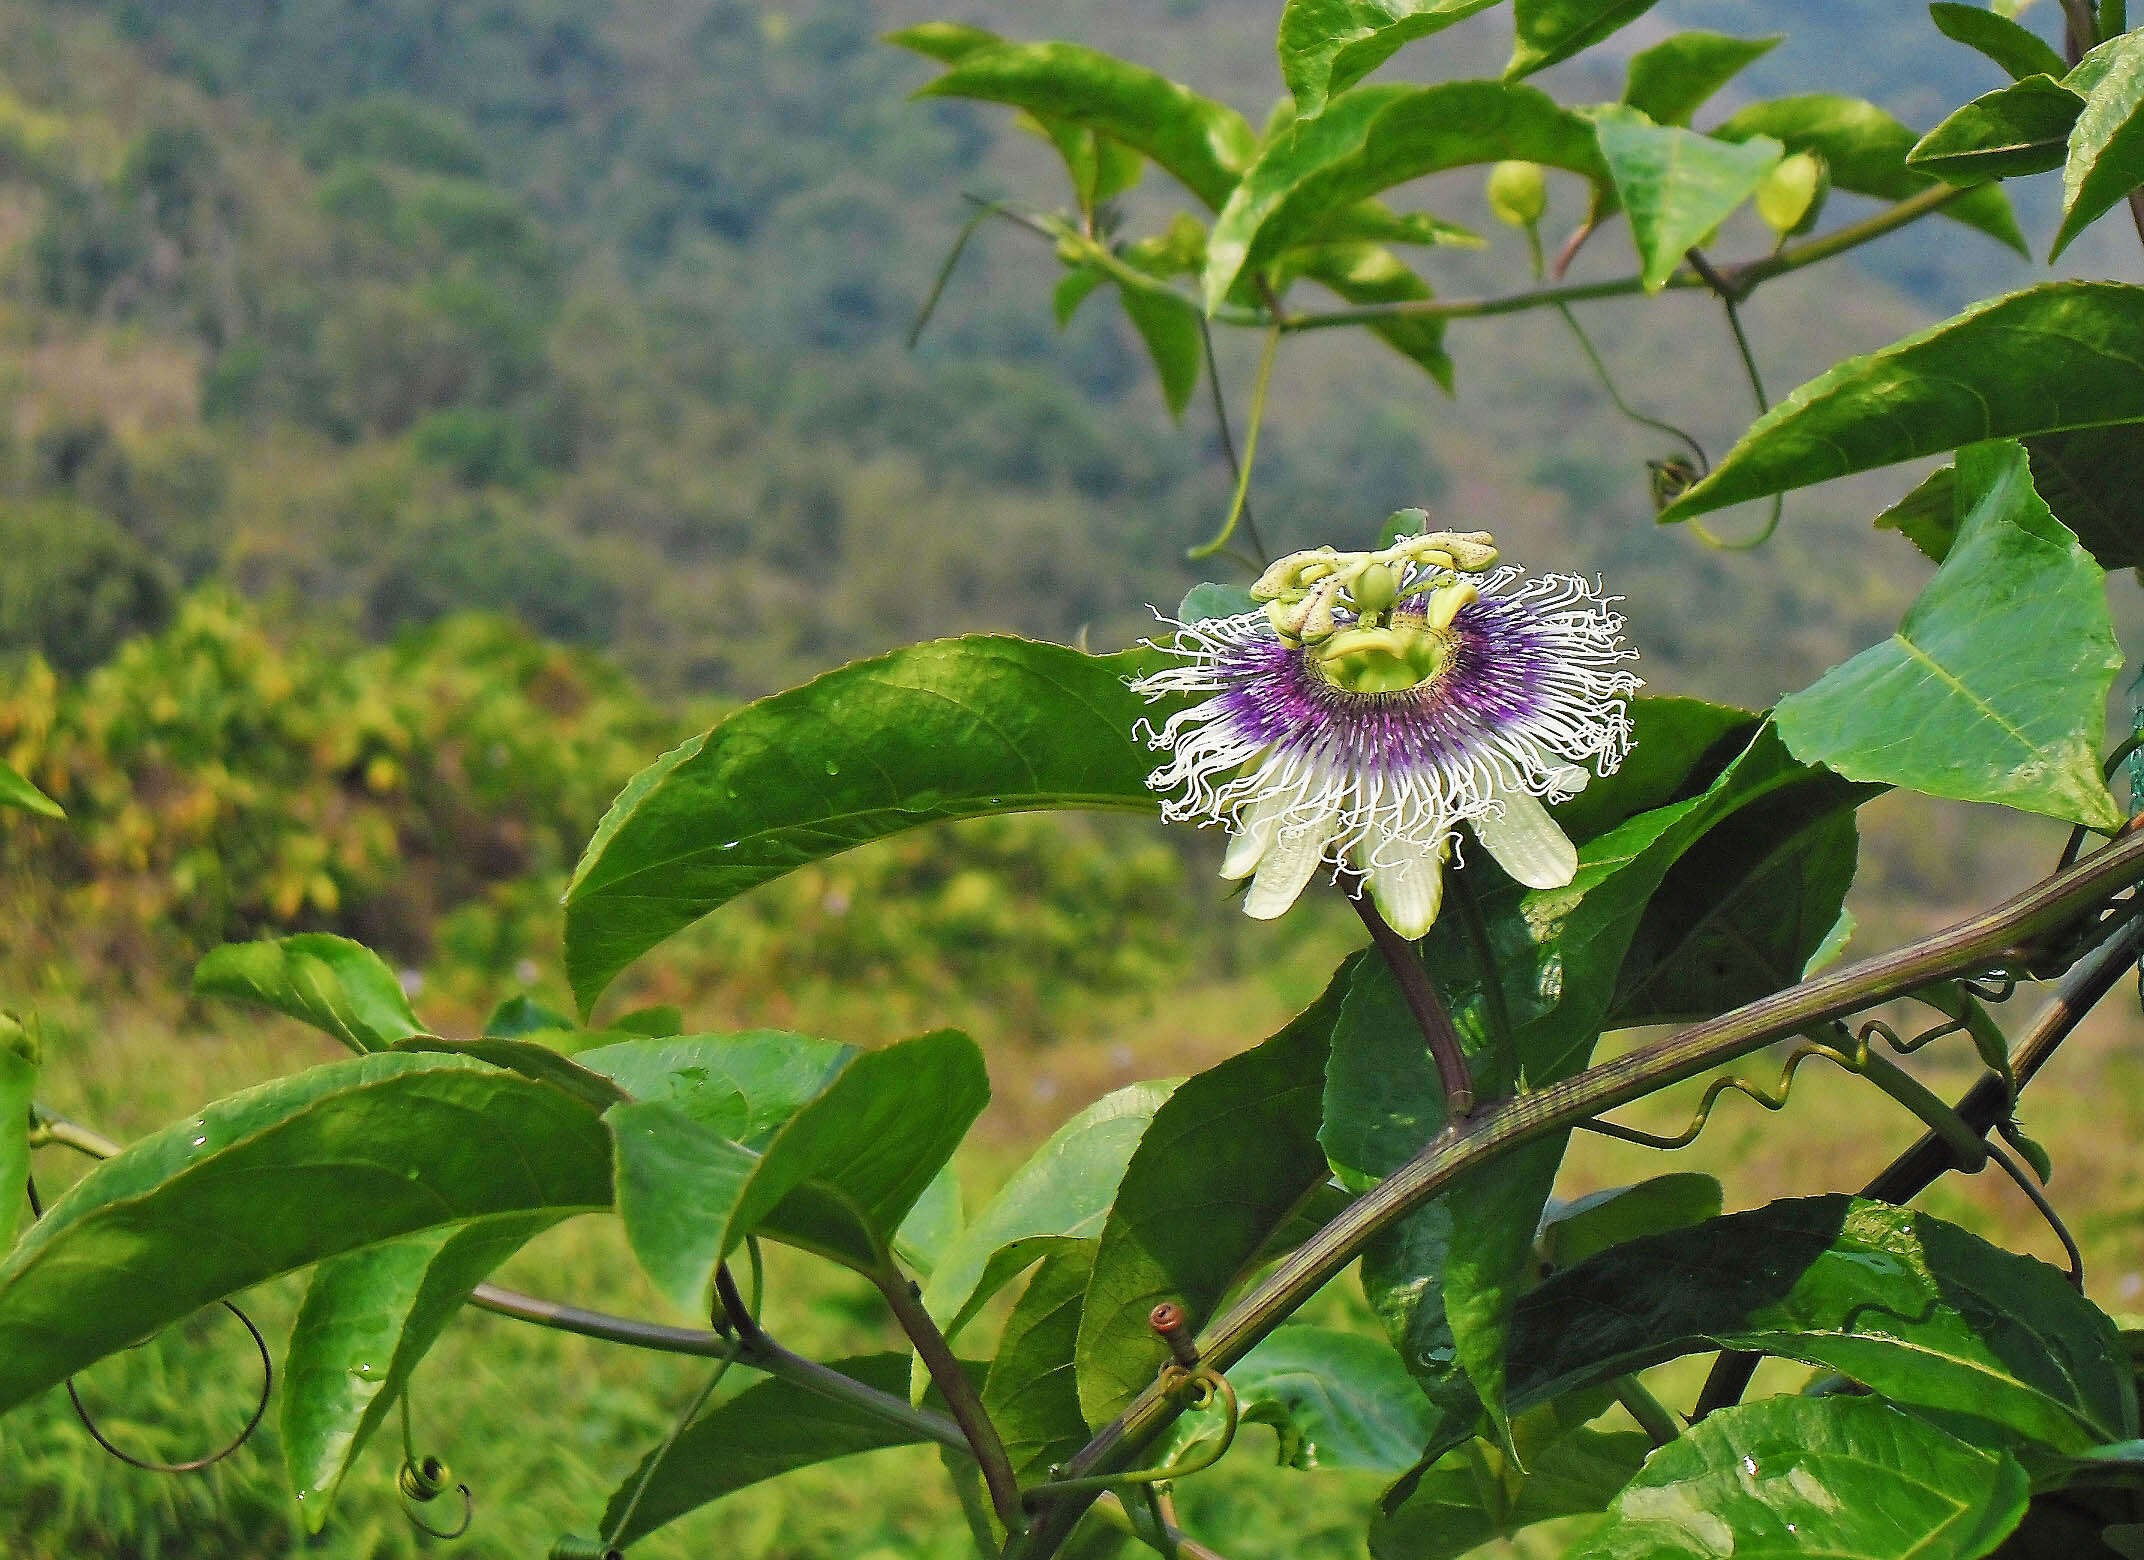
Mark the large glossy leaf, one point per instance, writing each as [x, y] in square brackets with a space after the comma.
[368, 1319]
[529, 1059]
[1742, 915]
[2058, 356]
[2020, 129]
[1479, 1494]
[1373, 138]
[20, 1055]
[956, 728]
[1335, 1399]
[329, 982]
[744, 1086]
[1946, 708]
[2083, 474]
[2106, 151]
[1326, 46]
[19, 793]
[771, 1428]
[1677, 185]
[1914, 1308]
[1032, 1394]
[837, 1177]
[1227, 1159]
[1865, 150]
[1587, 1226]
[1672, 80]
[1062, 1192]
[304, 1168]
[2087, 477]
[2008, 42]
[1552, 30]
[1203, 143]
[1678, 747]
[1788, 1476]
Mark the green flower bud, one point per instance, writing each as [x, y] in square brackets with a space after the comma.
[1792, 193]
[1517, 193]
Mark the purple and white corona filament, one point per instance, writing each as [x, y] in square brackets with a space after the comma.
[1378, 701]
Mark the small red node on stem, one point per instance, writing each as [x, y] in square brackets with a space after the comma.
[1168, 1319]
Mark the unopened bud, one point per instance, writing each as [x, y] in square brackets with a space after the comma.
[1791, 193]
[1517, 193]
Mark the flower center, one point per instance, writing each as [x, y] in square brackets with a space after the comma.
[1388, 659]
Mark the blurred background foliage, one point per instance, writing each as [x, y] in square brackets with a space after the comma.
[419, 415]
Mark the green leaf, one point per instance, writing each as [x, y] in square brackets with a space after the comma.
[2009, 43]
[1864, 149]
[1073, 289]
[1672, 80]
[1573, 1231]
[2057, 356]
[1678, 747]
[1800, 1476]
[2020, 129]
[1373, 138]
[1371, 273]
[307, 1167]
[1927, 516]
[2082, 473]
[2106, 150]
[1677, 185]
[1335, 1399]
[1552, 30]
[1913, 1308]
[1031, 1394]
[1206, 601]
[1945, 708]
[1476, 1495]
[19, 1058]
[530, 1060]
[1225, 1162]
[368, 1319]
[1742, 914]
[945, 42]
[1204, 144]
[1062, 1192]
[1171, 333]
[18, 792]
[2087, 477]
[659, 1021]
[957, 728]
[743, 1086]
[523, 1015]
[771, 1428]
[837, 1178]
[1326, 46]
[329, 982]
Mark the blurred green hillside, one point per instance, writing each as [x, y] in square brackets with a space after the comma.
[594, 313]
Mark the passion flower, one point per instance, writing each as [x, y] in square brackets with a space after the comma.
[1377, 701]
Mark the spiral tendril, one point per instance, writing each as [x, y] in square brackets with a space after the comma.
[1856, 1058]
[191, 1465]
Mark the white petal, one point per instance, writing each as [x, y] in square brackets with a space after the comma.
[1409, 891]
[1253, 837]
[1288, 867]
[1527, 842]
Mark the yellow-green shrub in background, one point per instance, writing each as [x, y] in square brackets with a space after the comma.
[234, 777]
[223, 781]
